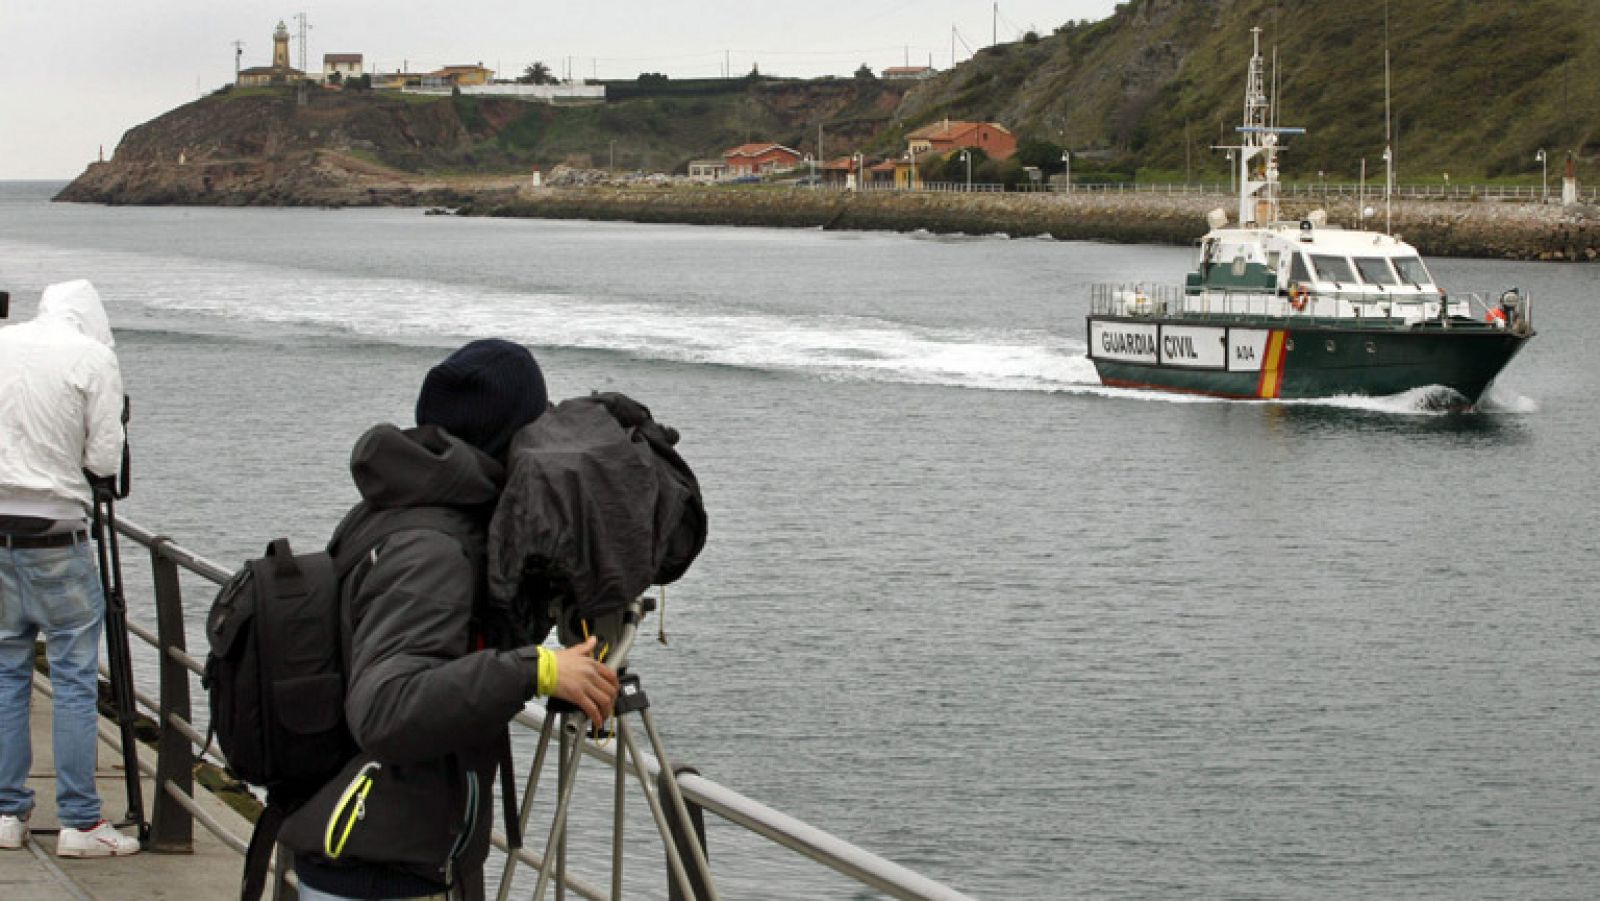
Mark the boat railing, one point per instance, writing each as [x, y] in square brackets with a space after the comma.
[1144, 299]
[183, 747]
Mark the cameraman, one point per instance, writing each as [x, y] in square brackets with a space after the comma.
[60, 423]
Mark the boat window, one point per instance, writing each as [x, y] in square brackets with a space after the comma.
[1375, 270]
[1412, 272]
[1298, 272]
[1333, 269]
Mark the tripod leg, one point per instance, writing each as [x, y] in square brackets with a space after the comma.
[670, 779]
[571, 728]
[118, 662]
[528, 792]
[674, 859]
[618, 799]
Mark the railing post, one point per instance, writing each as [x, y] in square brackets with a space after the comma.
[682, 834]
[171, 827]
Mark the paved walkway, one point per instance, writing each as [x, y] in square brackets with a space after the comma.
[34, 873]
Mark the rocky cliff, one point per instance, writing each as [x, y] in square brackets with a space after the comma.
[284, 147]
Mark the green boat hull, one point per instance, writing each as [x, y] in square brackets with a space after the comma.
[1315, 361]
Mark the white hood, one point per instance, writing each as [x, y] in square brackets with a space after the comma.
[77, 303]
[60, 405]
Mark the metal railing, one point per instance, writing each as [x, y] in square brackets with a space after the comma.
[1338, 191]
[175, 809]
[1175, 302]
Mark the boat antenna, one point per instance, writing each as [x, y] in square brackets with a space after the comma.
[1388, 134]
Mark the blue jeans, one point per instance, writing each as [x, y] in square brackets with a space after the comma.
[54, 591]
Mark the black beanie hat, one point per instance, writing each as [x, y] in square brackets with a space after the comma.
[483, 393]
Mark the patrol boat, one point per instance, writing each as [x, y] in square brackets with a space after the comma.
[1300, 309]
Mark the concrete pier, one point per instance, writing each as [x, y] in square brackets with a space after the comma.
[34, 873]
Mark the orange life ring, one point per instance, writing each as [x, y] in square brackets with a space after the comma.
[1297, 296]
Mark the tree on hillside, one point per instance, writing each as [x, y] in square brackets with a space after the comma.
[537, 73]
[864, 73]
[1044, 154]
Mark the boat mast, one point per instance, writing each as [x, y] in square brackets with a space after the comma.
[1388, 134]
[1258, 197]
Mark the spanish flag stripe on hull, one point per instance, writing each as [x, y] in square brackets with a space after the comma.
[1271, 382]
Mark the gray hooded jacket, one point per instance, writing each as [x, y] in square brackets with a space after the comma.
[423, 702]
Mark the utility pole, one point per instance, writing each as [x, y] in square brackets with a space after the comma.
[238, 51]
[994, 26]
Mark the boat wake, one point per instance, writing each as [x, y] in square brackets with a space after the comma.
[235, 299]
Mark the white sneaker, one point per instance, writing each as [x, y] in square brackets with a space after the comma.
[13, 830]
[101, 841]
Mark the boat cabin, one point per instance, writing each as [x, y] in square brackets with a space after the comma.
[1319, 261]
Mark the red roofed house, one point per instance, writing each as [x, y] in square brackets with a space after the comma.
[760, 159]
[947, 136]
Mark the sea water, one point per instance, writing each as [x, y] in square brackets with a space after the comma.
[960, 605]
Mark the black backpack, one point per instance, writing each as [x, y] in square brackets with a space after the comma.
[275, 674]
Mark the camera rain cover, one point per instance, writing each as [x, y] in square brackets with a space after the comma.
[598, 506]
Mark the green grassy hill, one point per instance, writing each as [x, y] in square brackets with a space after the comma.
[1478, 85]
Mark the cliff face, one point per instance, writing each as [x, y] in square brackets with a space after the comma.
[287, 146]
[283, 147]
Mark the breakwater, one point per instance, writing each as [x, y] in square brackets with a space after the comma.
[1496, 230]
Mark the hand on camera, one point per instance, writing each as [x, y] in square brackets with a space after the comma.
[585, 682]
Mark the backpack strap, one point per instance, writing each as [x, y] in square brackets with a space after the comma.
[258, 856]
[350, 550]
[508, 792]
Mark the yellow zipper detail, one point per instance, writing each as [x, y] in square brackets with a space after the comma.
[355, 792]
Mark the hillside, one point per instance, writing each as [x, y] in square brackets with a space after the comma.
[1478, 87]
[309, 146]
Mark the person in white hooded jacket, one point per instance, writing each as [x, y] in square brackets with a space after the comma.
[61, 408]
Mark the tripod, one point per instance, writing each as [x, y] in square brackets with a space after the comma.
[118, 658]
[573, 725]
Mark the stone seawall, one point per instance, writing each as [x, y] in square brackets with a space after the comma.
[1458, 229]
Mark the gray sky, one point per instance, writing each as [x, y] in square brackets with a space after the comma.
[80, 73]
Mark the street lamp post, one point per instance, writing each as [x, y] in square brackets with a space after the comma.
[966, 157]
[860, 180]
[1066, 166]
[1544, 177]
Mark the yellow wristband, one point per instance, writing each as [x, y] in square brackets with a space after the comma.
[548, 673]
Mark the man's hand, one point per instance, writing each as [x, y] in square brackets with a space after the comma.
[585, 682]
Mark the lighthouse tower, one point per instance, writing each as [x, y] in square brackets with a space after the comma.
[280, 47]
[280, 72]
